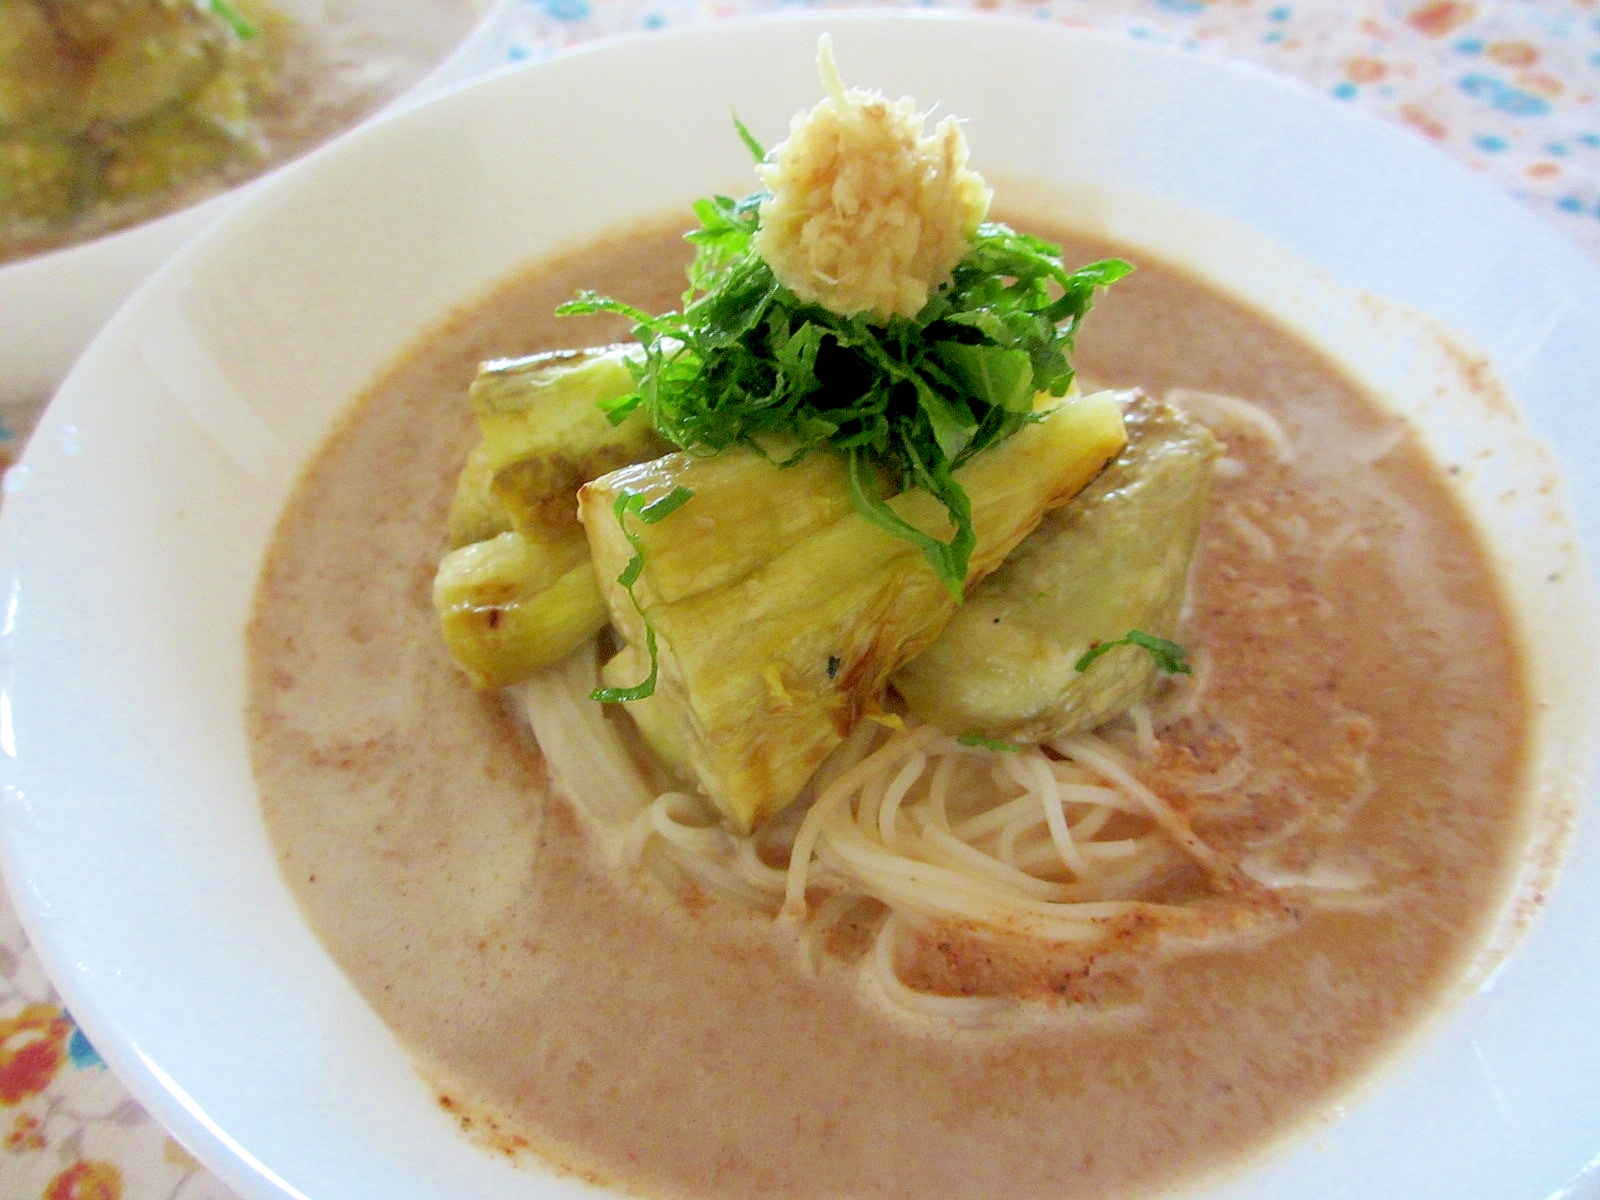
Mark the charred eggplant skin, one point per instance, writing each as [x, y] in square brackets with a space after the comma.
[1113, 560]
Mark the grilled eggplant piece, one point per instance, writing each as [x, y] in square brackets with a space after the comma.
[38, 76]
[155, 155]
[42, 177]
[517, 592]
[509, 607]
[775, 640]
[475, 514]
[544, 437]
[158, 57]
[1114, 560]
[744, 513]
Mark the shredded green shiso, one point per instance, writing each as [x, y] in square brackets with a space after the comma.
[240, 24]
[633, 504]
[747, 363]
[978, 742]
[1169, 655]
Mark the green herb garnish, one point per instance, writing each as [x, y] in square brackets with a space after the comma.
[984, 743]
[757, 151]
[1170, 656]
[747, 363]
[236, 20]
[632, 504]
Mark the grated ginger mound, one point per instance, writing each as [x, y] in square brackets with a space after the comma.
[867, 215]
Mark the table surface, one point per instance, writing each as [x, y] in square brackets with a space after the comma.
[1511, 88]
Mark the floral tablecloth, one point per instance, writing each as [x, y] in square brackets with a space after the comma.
[1510, 88]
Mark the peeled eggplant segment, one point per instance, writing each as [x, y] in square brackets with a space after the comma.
[517, 592]
[1113, 560]
[545, 436]
[779, 612]
[509, 607]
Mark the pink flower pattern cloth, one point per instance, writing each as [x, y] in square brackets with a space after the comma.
[1508, 88]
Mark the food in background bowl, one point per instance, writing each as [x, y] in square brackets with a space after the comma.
[1033, 958]
[115, 111]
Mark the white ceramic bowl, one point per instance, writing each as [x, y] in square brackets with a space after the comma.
[133, 531]
[51, 305]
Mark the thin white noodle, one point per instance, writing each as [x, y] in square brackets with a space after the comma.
[1228, 467]
[758, 874]
[1144, 730]
[1224, 779]
[957, 853]
[1184, 691]
[1042, 855]
[1092, 823]
[1036, 853]
[837, 795]
[1221, 413]
[889, 807]
[637, 838]
[717, 877]
[853, 750]
[938, 804]
[1050, 803]
[1093, 752]
[586, 757]
[985, 823]
[941, 892]
[706, 852]
[1006, 850]
[1070, 775]
[875, 789]
[1099, 795]
[698, 839]
[1257, 538]
[965, 1011]
[1117, 849]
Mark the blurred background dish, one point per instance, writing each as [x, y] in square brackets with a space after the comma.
[126, 125]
